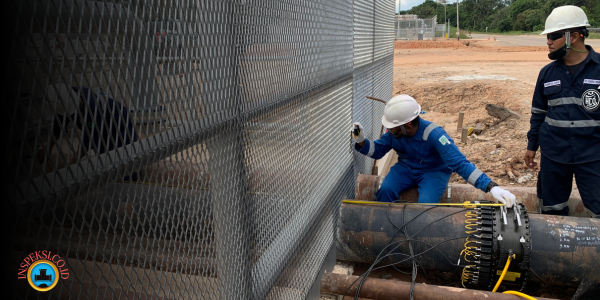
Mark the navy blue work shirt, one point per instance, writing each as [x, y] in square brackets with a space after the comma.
[431, 149]
[105, 126]
[565, 119]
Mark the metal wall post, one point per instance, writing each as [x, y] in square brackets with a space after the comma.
[227, 186]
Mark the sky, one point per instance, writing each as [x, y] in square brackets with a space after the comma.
[408, 4]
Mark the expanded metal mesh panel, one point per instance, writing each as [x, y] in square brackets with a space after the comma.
[290, 46]
[366, 112]
[382, 81]
[384, 29]
[187, 149]
[364, 31]
[373, 80]
[373, 63]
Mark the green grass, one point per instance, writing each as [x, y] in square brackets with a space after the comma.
[453, 33]
[594, 35]
[509, 33]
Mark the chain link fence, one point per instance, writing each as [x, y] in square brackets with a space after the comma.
[417, 29]
[187, 149]
[440, 30]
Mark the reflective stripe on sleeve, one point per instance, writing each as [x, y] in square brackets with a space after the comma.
[538, 111]
[428, 130]
[572, 124]
[555, 207]
[563, 101]
[474, 176]
[371, 149]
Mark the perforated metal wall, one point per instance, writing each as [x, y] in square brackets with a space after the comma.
[187, 149]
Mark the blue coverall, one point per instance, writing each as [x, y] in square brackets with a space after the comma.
[105, 126]
[565, 123]
[426, 160]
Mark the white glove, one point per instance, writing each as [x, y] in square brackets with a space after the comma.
[360, 137]
[503, 196]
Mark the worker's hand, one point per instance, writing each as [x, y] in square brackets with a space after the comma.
[529, 157]
[503, 196]
[357, 132]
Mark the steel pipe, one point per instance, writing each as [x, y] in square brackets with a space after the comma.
[382, 289]
[564, 250]
[368, 185]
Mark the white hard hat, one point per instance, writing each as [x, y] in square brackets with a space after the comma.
[64, 97]
[400, 110]
[565, 17]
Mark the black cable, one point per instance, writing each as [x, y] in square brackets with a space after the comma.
[536, 275]
[365, 275]
[378, 259]
[399, 229]
[403, 229]
[415, 270]
[368, 271]
[440, 251]
[409, 238]
[421, 253]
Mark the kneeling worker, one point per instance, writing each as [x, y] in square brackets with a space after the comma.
[426, 156]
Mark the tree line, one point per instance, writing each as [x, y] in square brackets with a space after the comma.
[502, 15]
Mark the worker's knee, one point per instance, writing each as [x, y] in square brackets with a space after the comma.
[432, 186]
[395, 182]
[387, 194]
[432, 195]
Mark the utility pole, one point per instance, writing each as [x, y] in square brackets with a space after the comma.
[445, 9]
[457, 26]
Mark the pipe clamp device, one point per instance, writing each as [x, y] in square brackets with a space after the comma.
[497, 234]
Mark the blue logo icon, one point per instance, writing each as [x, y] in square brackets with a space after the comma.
[43, 275]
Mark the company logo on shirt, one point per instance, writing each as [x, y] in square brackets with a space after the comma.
[590, 100]
[444, 140]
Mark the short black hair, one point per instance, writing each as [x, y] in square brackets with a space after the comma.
[583, 32]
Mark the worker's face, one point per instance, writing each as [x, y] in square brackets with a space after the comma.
[555, 40]
[397, 131]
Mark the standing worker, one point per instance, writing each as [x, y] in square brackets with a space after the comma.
[565, 121]
[426, 156]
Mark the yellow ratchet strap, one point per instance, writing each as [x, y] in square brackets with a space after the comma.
[465, 204]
